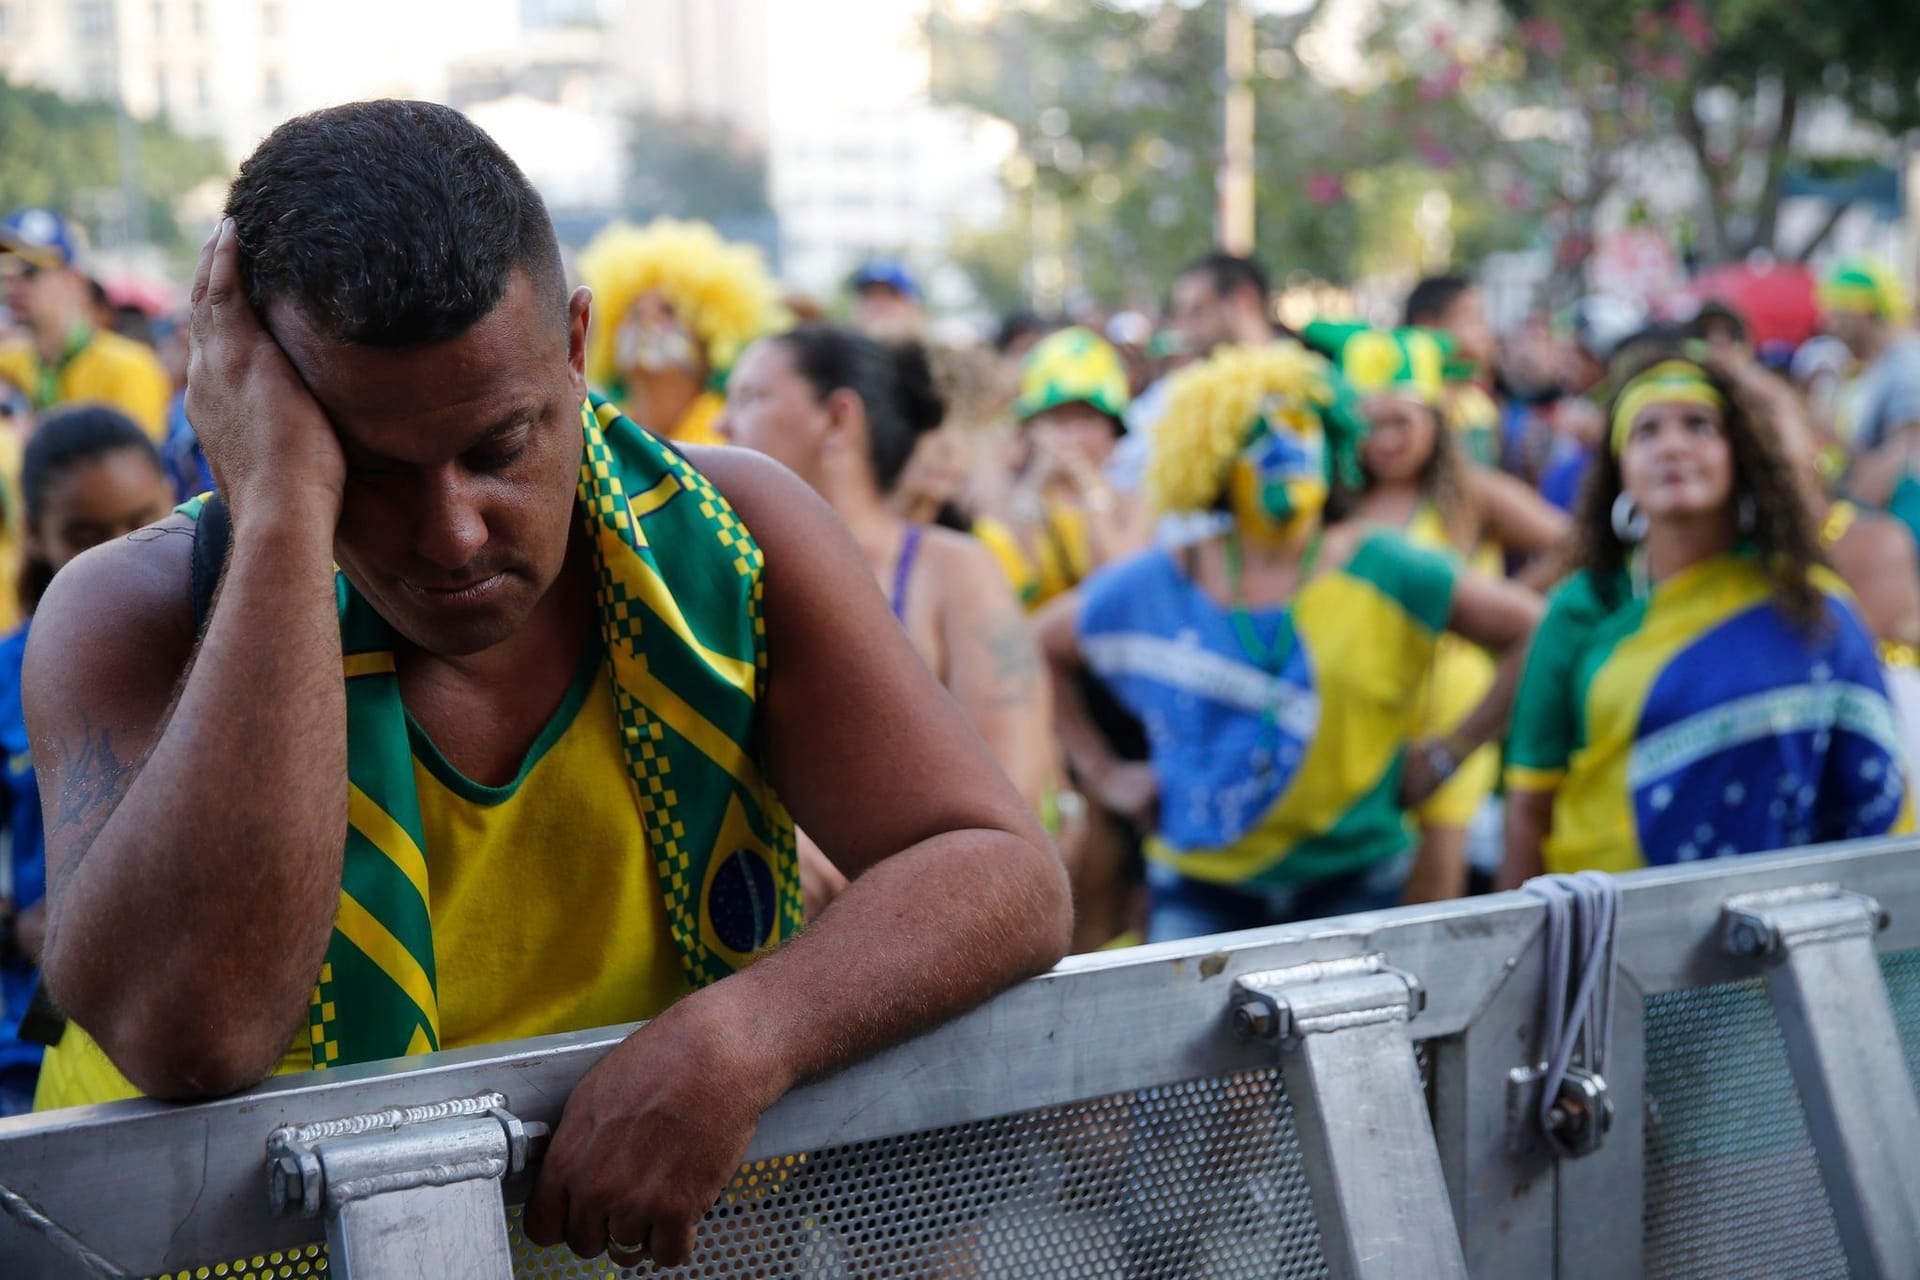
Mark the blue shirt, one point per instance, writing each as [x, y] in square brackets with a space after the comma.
[1566, 475]
[185, 462]
[20, 809]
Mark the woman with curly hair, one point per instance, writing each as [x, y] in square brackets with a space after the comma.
[1701, 687]
[1273, 663]
[1416, 479]
[674, 305]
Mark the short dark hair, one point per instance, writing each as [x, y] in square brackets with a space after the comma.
[68, 437]
[65, 439]
[389, 223]
[1229, 273]
[894, 383]
[1432, 298]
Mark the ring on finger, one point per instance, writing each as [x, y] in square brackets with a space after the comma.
[616, 1245]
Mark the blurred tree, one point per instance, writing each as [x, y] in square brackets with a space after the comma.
[685, 167]
[65, 155]
[1118, 108]
[1730, 83]
[1529, 115]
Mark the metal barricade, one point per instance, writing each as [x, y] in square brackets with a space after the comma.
[1347, 1097]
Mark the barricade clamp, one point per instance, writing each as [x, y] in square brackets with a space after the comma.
[379, 1179]
[1815, 944]
[1360, 1112]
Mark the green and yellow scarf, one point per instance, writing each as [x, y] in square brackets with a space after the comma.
[687, 644]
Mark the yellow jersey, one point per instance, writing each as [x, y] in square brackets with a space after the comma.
[546, 907]
[1460, 678]
[101, 367]
[1063, 556]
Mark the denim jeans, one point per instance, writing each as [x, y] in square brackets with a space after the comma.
[1181, 907]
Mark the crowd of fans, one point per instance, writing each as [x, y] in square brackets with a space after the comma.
[1265, 625]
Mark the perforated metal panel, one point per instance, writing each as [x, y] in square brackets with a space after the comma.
[1732, 1186]
[1197, 1179]
[284, 1264]
[1901, 970]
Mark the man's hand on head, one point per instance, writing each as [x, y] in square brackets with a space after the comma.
[265, 436]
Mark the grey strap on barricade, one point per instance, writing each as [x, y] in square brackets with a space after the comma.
[1573, 1108]
[28, 1215]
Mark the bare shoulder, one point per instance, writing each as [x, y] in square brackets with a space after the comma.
[120, 614]
[1878, 540]
[778, 507]
[969, 575]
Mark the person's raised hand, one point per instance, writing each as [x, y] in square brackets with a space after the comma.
[1130, 789]
[266, 438]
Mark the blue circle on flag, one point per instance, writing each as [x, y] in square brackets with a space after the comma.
[741, 901]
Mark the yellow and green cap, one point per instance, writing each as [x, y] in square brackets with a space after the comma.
[1072, 366]
[1374, 361]
[1863, 283]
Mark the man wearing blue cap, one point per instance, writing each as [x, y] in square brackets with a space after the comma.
[886, 300]
[62, 358]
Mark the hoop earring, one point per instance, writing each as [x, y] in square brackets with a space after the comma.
[1745, 514]
[1629, 521]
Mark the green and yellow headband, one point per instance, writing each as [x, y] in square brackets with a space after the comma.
[1669, 382]
[1863, 284]
[1408, 362]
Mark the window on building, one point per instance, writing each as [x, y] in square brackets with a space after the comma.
[162, 91]
[202, 95]
[6, 21]
[270, 20]
[91, 18]
[99, 81]
[159, 17]
[199, 18]
[270, 91]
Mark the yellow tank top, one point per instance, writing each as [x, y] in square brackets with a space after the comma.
[698, 425]
[547, 913]
[1462, 673]
[1064, 555]
[1426, 529]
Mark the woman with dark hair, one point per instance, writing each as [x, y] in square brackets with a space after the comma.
[89, 474]
[1701, 686]
[1416, 479]
[844, 413]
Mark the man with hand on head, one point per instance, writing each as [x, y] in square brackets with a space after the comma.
[565, 677]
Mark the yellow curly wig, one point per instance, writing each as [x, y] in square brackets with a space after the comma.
[1212, 405]
[722, 292]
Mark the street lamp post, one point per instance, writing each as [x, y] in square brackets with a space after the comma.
[1235, 184]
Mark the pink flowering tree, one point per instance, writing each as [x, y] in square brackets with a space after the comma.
[1728, 85]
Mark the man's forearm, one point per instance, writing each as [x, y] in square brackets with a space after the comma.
[921, 937]
[186, 934]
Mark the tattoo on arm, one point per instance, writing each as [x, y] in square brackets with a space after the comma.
[93, 778]
[1013, 663]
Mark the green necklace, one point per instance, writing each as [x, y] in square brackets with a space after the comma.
[1269, 658]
